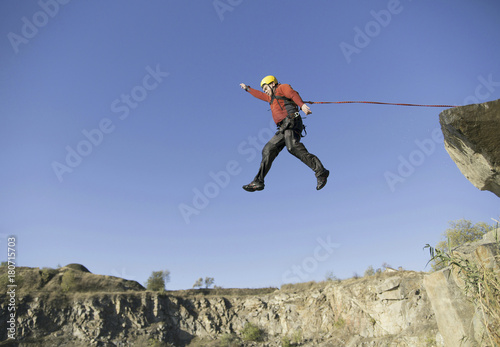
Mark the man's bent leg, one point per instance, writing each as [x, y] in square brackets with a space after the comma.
[269, 153]
[297, 148]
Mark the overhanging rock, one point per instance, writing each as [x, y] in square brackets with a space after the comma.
[472, 139]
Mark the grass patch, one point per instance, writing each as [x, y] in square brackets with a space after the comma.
[304, 286]
[297, 337]
[295, 340]
[69, 279]
[229, 340]
[285, 342]
[339, 323]
[68, 283]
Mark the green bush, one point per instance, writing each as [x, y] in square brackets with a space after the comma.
[252, 332]
[285, 342]
[297, 337]
[152, 342]
[229, 340]
[339, 323]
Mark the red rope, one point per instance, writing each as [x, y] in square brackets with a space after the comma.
[374, 102]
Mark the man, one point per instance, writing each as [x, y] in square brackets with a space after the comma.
[285, 103]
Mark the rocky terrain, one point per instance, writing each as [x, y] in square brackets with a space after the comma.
[378, 309]
[72, 307]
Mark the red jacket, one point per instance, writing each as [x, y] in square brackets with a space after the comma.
[278, 106]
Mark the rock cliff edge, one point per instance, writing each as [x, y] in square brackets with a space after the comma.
[472, 139]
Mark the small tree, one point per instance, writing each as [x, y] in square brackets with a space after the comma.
[369, 271]
[330, 276]
[157, 281]
[209, 281]
[198, 283]
[459, 233]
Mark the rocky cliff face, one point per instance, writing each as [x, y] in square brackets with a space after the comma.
[472, 139]
[72, 307]
[377, 310]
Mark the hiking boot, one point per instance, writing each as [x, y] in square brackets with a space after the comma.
[252, 187]
[322, 179]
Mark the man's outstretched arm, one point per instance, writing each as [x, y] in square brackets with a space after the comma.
[256, 93]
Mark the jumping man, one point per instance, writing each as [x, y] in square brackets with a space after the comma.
[285, 103]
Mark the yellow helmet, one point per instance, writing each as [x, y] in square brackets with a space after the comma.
[267, 80]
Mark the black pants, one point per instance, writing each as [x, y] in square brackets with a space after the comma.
[288, 134]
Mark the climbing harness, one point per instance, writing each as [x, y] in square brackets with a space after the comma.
[290, 106]
[375, 102]
[293, 112]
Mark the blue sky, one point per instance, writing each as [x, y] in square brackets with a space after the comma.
[125, 137]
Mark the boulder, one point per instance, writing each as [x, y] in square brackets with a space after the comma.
[472, 139]
[454, 313]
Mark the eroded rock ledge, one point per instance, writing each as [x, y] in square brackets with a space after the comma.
[472, 139]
